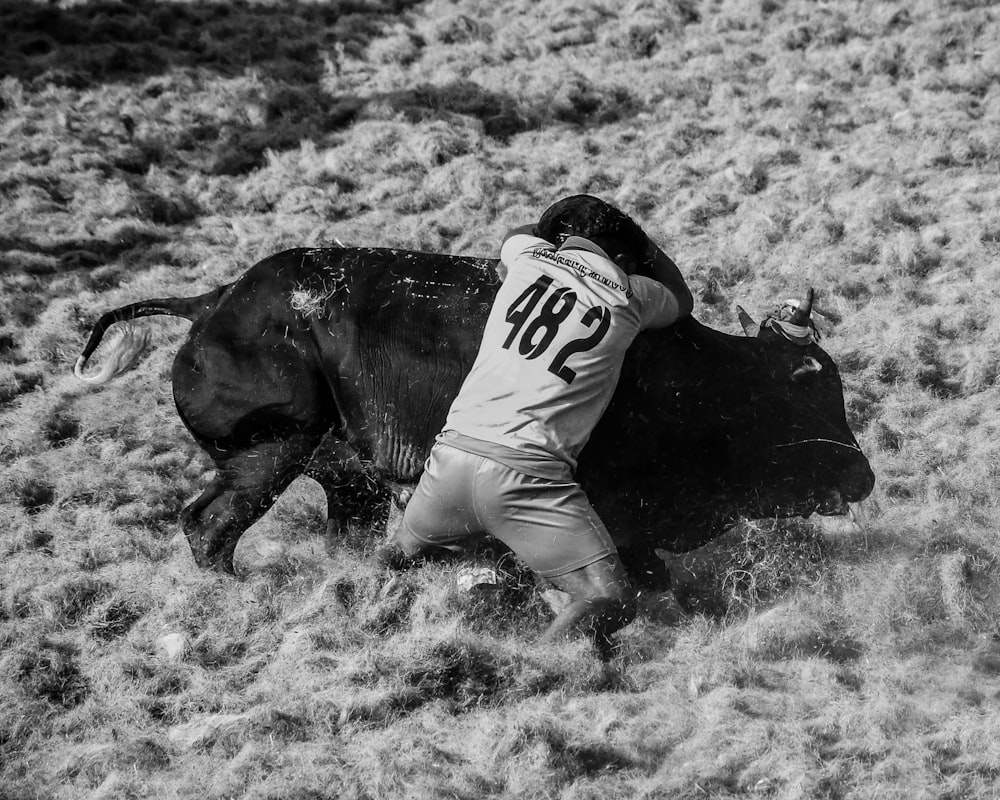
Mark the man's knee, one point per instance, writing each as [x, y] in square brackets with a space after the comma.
[404, 541]
[410, 548]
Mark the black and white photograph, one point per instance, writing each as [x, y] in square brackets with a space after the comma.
[513, 400]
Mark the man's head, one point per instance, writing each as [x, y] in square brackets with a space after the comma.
[606, 226]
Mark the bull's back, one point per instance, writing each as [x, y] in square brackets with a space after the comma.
[397, 331]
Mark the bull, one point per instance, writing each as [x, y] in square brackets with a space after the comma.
[341, 364]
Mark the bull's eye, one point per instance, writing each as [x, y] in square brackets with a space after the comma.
[810, 366]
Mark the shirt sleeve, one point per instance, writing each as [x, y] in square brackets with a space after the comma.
[658, 307]
[519, 245]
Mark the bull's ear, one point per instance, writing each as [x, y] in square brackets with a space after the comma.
[750, 328]
[810, 366]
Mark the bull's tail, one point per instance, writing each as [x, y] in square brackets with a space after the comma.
[132, 341]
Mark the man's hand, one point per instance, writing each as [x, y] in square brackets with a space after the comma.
[520, 230]
[666, 272]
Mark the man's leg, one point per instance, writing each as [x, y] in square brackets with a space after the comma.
[552, 527]
[438, 515]
[601, 602]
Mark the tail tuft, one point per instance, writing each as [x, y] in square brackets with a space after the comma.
[126, 349]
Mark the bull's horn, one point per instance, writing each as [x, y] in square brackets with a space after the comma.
[750, 328]
[801, 314]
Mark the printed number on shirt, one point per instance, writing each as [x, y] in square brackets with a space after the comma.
[538, 334]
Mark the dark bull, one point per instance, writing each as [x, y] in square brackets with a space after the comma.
[341, 363]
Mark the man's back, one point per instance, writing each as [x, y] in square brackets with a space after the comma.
[553, 347]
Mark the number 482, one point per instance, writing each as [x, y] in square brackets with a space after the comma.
[538, 329]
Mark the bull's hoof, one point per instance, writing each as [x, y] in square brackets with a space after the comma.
[222, 561]
[221, 564]
[219, 559]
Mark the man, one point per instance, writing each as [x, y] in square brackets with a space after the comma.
[570, 304]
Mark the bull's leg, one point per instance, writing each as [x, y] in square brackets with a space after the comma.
[601, 602]
[337, 468]
[245, 486]
[645, 566]
[351, 498]
[348, 497]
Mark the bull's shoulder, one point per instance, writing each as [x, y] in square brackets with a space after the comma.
[692, 347]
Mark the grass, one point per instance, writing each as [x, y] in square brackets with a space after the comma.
[160, 148]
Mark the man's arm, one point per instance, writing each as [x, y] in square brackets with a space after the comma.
[520, 230]
[664, 270]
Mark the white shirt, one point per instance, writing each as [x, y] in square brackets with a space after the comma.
[553, 347]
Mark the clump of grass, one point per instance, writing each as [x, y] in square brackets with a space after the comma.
[50, 669]
[461, 29]
[579, 101]
[753, 179]
[721, 277]
[461, 671]
[794, 630]
[512, 604]
[934, 371]
[465, 673]
[701, 214]
[438, 143]
[819, 227]
[565, 754]
[16, 382]
[402, 47]
[8, 345]
[52, 338]
[891, 61]
[754, 563]
[771, 557]
[160, 688]
[164, 209]
[502, 116]
[97, 762]
[17, 601]
[33, 537]
[391, 608]
[853, 290]
[60, 427]
[68, 601]
[291, 113]
[115, 617]
[895, 596]
[888, 213]
[34, 494]
[907, 255]
[639, 39]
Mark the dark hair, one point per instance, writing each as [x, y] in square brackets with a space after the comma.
[592, 218]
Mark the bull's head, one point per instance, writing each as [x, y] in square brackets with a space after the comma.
[809, 451]
[706, 428]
